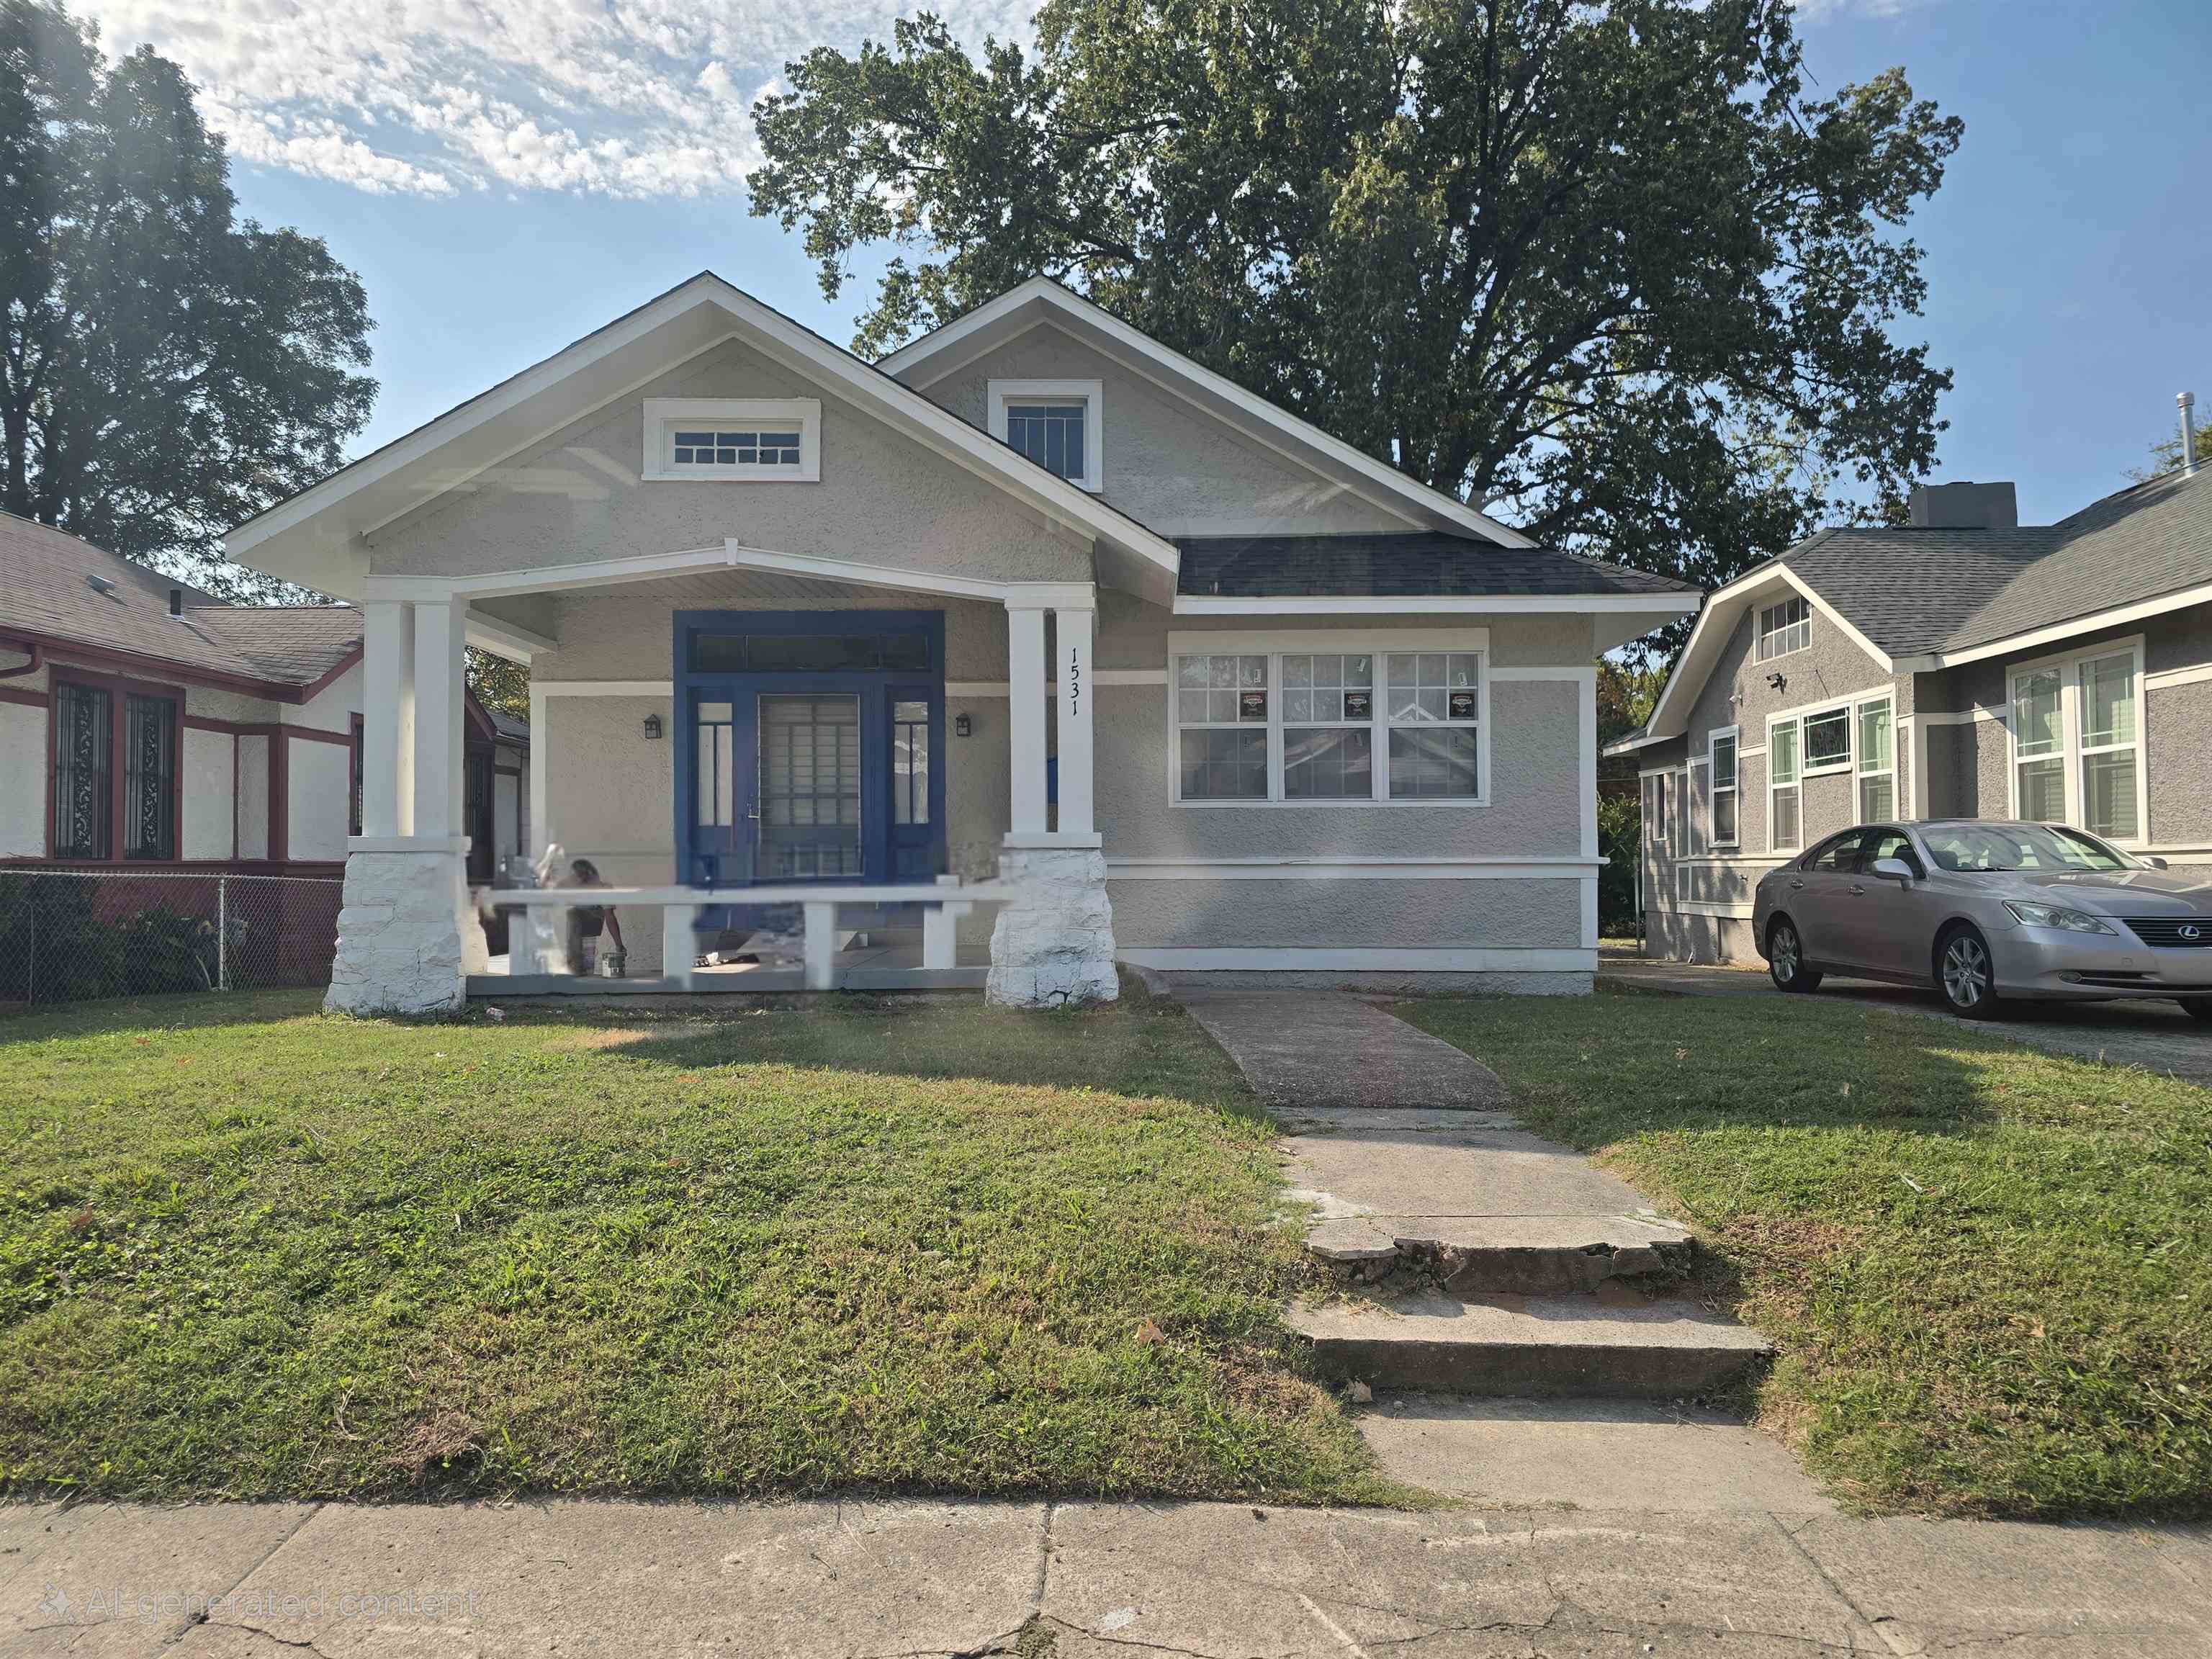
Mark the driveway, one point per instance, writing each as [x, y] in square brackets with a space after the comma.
[2155, 1036]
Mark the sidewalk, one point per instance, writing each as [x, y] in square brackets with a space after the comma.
[1077, 1581]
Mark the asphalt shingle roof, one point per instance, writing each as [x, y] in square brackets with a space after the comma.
[1417, 564]
[43, 591]
[1914, 591]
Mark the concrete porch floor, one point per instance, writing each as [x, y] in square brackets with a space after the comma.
[891, 961]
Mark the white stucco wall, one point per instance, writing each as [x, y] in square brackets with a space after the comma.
[22, 780]
[209, 762]
[1167, 464]
[253, 798]
[319, 780]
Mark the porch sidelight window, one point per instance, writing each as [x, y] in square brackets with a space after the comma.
[1434, 699]
[1221, 716]
[149, 777]
[716, 786]
[1328, 728]
[82, 798]
[910, 763]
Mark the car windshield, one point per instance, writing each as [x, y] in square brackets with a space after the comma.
[1972, 848]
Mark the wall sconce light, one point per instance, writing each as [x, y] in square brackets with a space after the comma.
[1780, 682]
[963, 726]
[653, 728]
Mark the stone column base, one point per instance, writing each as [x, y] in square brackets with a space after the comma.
[401, 947]
[1054, 944]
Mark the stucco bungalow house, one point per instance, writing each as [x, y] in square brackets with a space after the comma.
[1164, 674]
[1959, 665]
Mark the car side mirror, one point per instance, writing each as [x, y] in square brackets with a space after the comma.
[1891, 870]
[2155, 864]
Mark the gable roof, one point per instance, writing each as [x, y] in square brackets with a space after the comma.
[1918, 599]
[1411, 565]
[924, 361]
[309, 538]
[45, 598]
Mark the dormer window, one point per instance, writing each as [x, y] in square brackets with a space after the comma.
[1059, 424]
[744, 440]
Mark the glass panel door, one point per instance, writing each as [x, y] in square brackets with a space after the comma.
[810, 789]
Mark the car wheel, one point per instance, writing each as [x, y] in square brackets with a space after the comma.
[1966, 974]
[1785, 957]
[2197, 1008]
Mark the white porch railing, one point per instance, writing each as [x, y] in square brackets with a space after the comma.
[942, 907]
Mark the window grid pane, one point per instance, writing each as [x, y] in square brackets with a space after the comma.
[2038, 725]
[1051, 434]
[2108, 696]
[1328, 762]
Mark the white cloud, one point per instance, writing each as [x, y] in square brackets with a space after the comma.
[629, 98]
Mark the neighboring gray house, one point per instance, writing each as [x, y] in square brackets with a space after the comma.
[1959, 665]
[1035, 602]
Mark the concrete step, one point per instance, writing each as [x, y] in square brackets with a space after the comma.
[1518, 1254]
[1591, 1454]
[1471, 1208]
[1615, 1343]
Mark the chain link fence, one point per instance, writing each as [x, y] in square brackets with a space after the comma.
[67, 935]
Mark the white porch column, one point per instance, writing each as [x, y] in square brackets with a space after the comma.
[1025, 703]
[1053, 944]
[1071, 651]
[407, 932]
[440, 692]
[388, 684]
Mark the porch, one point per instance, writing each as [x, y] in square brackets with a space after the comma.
[854, 778]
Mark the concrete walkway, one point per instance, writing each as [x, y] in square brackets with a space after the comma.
[2155, 1036]
[1505, 1301]
[1077, 1581]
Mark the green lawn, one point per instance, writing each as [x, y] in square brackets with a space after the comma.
[1989, 1271]
[247, 1250]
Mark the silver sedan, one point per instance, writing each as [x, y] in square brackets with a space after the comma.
[1988, 913]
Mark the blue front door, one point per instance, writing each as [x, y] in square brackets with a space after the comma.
[811, 747]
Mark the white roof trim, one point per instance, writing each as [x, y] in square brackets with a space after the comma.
[1225, 604]
[779, 337]
[978, 329]
[2097, 621]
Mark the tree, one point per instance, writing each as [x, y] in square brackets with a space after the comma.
[500, 684]
[167, 369]
[1607, 268]
[2165, 455]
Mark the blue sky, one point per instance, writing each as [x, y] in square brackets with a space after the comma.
[505, 179]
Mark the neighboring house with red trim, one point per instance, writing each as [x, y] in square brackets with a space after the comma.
[144, 723]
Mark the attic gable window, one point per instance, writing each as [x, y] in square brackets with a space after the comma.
[1783, 629]
[737, 440]
[1059, 424]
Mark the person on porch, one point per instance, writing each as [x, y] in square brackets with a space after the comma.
[585, 924]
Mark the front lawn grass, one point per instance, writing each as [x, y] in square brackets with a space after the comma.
[1987, 1270]
[250, 1251]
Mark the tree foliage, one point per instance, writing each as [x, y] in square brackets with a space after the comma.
[1607, 268]
[168, 369]
[500, 683]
